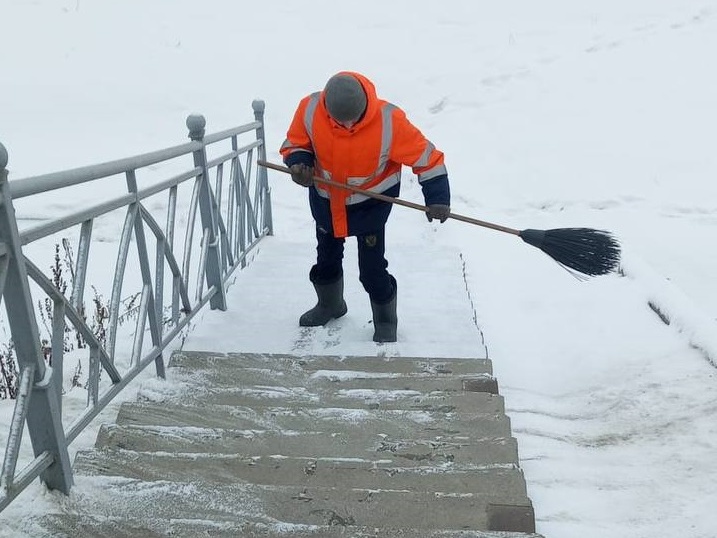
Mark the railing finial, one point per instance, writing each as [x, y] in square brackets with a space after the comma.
[258, 105]
[196, 124]
[3, 157]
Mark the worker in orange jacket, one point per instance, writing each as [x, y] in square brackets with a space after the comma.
[348, 135]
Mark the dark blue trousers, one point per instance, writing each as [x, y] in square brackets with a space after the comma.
[373, 273]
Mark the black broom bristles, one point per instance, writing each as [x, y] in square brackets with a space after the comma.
[587, 251]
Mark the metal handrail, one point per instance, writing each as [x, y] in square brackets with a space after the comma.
[233, 218]
[20, 188]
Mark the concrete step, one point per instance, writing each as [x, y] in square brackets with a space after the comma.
[230, 377]
[224, 469]
[351, 443]
[485, 419]
[340, 396]
[74, 526]
[251, 503]
[401, 365]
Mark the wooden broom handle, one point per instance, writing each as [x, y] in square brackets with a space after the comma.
[392, 200]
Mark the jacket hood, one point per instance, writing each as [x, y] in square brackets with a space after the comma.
[372, 101]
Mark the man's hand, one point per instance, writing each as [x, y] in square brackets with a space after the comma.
[302, 174]
[438, 211]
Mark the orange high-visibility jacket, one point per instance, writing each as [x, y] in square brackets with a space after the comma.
[369, 155]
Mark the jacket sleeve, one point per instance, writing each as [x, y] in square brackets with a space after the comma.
[297, 148]
[410, 148]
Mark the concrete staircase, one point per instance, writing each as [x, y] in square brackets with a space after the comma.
[280, 445]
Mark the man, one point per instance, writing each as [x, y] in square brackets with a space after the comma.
[348, 135]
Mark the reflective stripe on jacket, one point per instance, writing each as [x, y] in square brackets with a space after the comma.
[369, 155]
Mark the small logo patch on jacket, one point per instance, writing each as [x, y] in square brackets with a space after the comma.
[370, 240]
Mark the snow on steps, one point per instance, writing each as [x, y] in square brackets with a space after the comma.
[245, 445]
[115, 527]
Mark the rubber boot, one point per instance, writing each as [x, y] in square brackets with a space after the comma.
[331, 304]
[385, 320]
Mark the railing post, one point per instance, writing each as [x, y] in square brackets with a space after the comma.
[155, 308]
[196, 124]
[43, 414]
[259, 106]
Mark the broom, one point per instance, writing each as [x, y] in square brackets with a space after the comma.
[584, 250]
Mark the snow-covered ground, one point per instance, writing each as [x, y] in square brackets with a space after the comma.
[551, 114]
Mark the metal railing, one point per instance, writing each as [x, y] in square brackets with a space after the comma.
[234, 215]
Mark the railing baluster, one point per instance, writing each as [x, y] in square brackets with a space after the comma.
[189, 235]
[159, 284]
[16, 427]
[224, 255]
[231, 210]
[202, 269]
[171, 217]
[58, 345]
[4, 264]
[169, 234]
[218, 184]
[176, 283]
[93, 379]
[83, 254]
[241, 211]
[256, 207]
[251, 213]
[140, 325]
[118, 280]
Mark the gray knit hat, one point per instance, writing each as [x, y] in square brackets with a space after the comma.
[345, 98]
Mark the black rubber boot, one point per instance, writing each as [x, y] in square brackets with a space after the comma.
[331, 304]
[385, 320]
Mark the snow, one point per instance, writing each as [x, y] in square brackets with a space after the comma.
[345, 375]
[551, 114]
